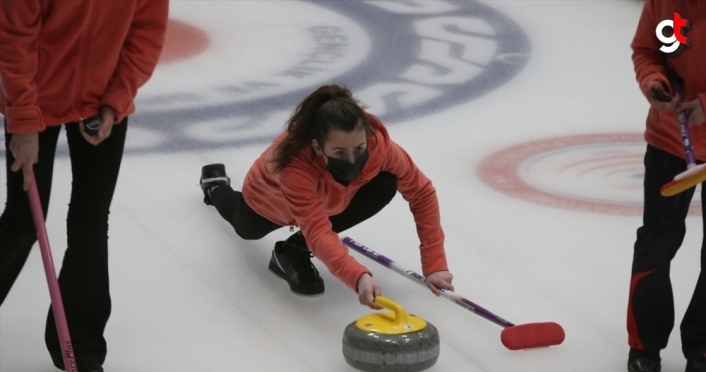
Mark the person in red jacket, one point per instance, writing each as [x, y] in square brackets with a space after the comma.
[77, 64]
[650, 315]
[334, 167]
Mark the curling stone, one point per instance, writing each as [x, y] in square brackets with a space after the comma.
[391, 341]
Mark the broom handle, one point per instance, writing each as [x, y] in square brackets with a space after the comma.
[684, 126]
[419, 279]
[54, 291]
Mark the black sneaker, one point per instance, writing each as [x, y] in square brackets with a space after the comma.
[291, 261]
[212, 175]
[644, 361]
[696, 364]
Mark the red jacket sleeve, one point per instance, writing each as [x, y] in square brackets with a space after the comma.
[139, 55]
[648, 60]
[20, 22]
[419, 192]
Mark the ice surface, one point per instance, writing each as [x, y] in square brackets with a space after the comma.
[189, 295]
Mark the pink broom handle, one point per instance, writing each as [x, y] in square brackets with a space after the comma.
[57, 305]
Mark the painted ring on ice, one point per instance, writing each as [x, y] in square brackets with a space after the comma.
[600, 173]
[403, 60]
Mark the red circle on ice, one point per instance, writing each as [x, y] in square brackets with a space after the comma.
[600, 173]
[182, 41]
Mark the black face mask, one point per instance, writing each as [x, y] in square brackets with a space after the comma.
[343, 171]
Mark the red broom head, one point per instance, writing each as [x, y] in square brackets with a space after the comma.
[527, 336]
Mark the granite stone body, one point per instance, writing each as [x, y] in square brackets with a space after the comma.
[376, 352]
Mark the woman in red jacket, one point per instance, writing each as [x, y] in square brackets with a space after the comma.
[334, 167]
[71, 63]
[651, 303]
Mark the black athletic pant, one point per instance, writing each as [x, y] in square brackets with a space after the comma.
[370, 199]
[83, 278]
[651, 303]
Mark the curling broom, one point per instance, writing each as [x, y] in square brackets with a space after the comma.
[514, 337]
[694, 174]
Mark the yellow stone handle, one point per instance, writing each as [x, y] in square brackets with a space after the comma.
[401, 316]
[390, 323]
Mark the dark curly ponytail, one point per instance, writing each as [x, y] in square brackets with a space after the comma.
[329, 107]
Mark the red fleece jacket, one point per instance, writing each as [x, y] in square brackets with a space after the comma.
[61, 60]
[650, 64]
[305, 194]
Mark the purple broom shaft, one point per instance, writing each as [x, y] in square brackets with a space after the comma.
[461, 301]
[684, 126]
[54, 291]
[360, 248]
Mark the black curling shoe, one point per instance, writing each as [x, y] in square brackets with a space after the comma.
[291, 261]
[696, 364]
[212, 175]
[644, 361]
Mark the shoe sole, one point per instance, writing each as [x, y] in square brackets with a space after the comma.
[659, 369]
[274, 269]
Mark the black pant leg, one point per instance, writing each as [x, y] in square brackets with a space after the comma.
[693, 326]
[651, 302]
[367, 202]
[232, 207]
[84, 272]
[17, 231]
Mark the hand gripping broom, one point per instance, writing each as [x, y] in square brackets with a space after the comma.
[694, 174]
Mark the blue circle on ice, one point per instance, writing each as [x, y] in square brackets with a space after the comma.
[403, 60]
